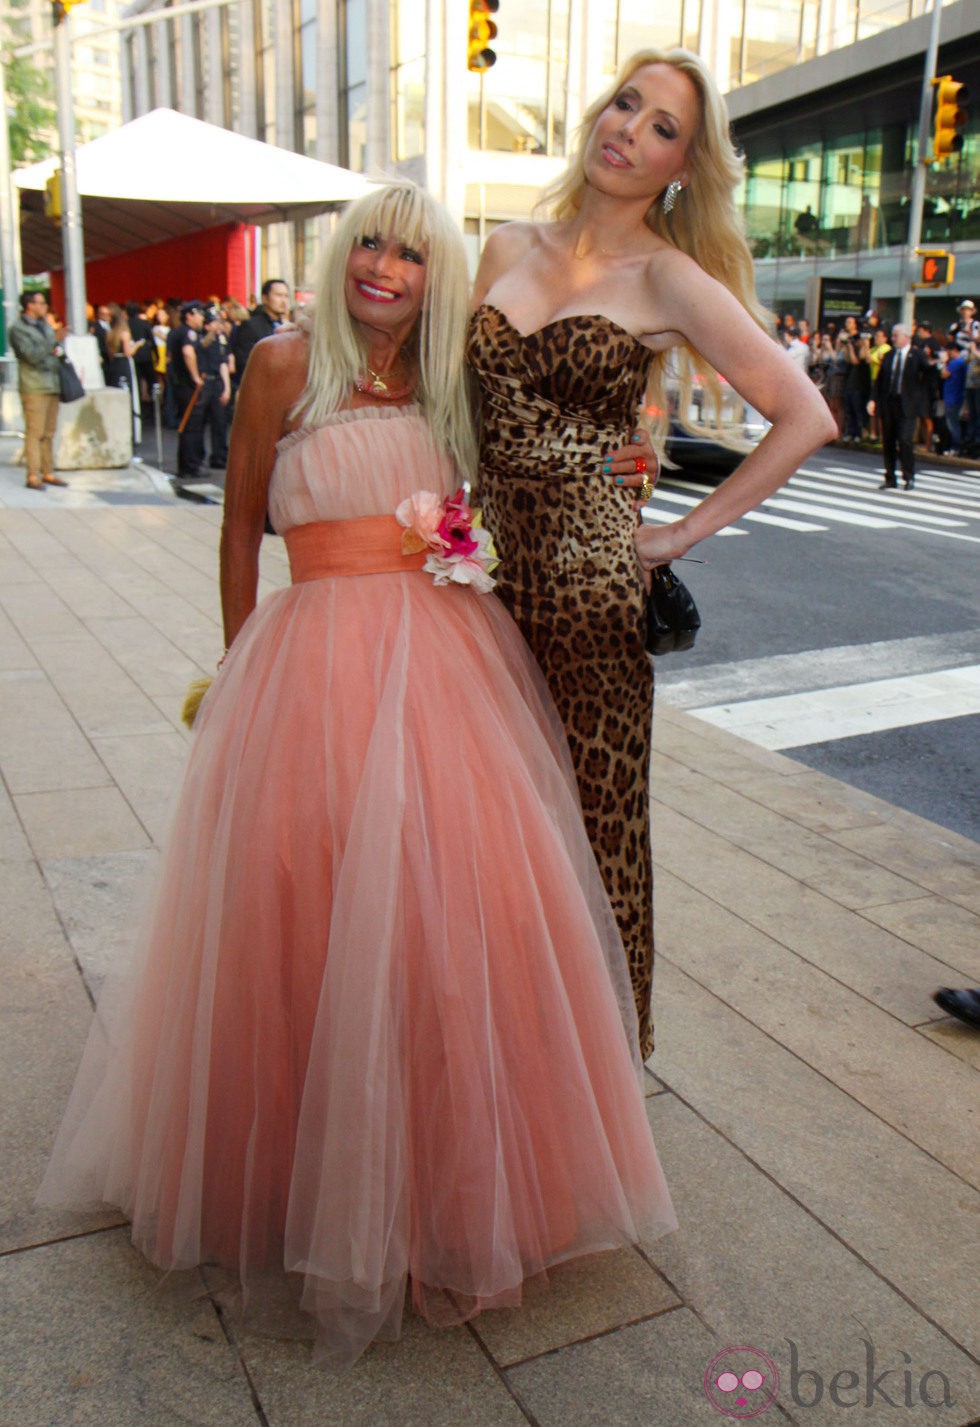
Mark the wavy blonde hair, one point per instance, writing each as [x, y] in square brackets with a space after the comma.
[338, 355]
[704, 224]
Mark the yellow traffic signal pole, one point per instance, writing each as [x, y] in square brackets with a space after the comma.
[923, 157]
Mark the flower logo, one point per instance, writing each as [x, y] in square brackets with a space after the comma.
[741, 1382]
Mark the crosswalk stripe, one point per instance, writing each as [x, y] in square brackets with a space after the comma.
[925, 498]
[869, 522]
[679, 499]
[846, 496]
[823, 715]
[854, 502]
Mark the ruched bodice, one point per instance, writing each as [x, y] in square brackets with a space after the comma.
[553, 403]
[575, 381]
[356, 464]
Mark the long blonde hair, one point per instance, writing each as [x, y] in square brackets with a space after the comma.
[704, 224]
[337, 353]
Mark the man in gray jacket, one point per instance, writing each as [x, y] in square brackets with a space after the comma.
[37, 349]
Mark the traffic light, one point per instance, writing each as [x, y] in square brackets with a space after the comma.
[52, 197]
[950, 117]
[482, 30]
[938, 267]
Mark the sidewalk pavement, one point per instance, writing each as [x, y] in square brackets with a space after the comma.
[814, 1112]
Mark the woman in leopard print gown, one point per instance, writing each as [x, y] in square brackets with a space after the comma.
[573, 322]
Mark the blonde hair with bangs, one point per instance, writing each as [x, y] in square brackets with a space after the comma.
[704, 224]
[337, 353]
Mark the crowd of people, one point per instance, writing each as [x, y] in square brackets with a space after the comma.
[845, 361]
[194, 354]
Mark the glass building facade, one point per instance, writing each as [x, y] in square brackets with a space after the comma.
[363, 83]
[828, 179]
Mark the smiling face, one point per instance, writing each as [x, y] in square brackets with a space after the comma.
[640, 141]
[385, 285]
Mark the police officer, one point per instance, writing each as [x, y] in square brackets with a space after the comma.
[186, 382]
[212, 362]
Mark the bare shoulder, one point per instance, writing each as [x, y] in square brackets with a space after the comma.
[511, 241]
[281, 353]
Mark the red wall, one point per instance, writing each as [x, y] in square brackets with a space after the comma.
[216, 260]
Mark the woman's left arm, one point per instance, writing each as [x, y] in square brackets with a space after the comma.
[706, 315]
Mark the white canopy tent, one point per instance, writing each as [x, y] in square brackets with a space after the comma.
[164, 175]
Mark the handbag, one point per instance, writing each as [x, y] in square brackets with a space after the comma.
[672, 616]
[70, 383]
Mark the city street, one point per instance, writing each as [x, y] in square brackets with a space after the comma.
[841, 624]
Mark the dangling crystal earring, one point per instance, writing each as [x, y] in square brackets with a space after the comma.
[670, 194]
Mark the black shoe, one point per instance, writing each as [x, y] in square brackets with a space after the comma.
[888, 486]
[910, 485]
[964, 1005]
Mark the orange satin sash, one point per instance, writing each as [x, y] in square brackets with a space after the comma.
[370, 545]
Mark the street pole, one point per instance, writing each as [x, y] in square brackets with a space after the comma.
[917, 197]
[72, 242]
[9, 265]
[8, 244]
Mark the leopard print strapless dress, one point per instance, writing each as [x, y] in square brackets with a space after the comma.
[552, 404]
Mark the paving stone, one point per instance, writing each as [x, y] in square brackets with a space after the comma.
[886, 1066]
[99, 903]
[815, 860]
[851, 947]
[99, 694]
[96, 1338]
[959, 1039]
[14, 652]
[761, 1271]
[44, 1018]
[147, 769]
[13, 841]
[14, 569]
[815, 801]
[579, 1299]
[150, 659]
[429, 1378]
[41, 745]
[946, 930]
[887, 1200]
[647, 1375]
[938, 860]
[35, 610]
[80, 822]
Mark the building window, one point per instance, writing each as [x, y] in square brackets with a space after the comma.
[642, 26]
[519, 104]
[407, 86]
[306, 88]
[353, 84]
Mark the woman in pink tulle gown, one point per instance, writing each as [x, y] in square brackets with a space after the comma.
[379, 1030]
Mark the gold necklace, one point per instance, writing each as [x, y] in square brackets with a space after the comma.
[379, 388]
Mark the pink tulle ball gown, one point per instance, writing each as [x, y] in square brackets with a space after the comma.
[377, 1031]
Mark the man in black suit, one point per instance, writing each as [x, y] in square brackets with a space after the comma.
[267, 318]
[901, 396]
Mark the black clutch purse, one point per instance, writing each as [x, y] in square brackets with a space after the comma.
[672, 616]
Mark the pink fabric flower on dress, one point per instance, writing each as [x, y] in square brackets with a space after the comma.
[455, 528]
[462, 551]
[421, 513]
